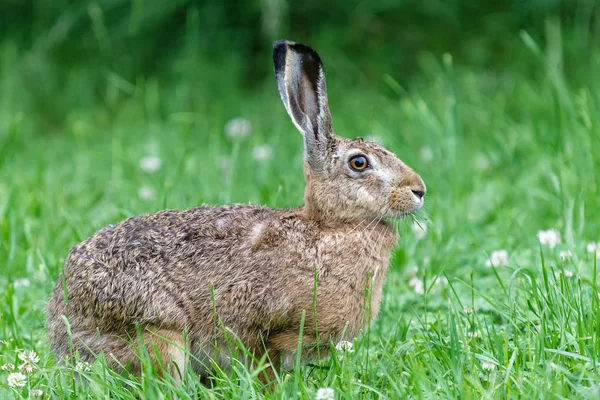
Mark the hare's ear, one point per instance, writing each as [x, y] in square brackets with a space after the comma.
[301, 83]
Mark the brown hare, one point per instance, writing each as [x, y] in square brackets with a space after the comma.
[185, 281]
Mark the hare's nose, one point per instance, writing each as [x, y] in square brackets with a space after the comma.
[418, 192]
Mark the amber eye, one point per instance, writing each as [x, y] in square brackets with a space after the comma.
[359, 163]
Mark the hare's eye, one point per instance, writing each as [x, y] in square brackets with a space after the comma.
[359, 163]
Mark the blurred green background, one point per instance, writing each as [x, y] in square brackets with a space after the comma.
[95, 53]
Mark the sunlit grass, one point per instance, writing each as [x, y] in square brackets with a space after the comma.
[502, 159]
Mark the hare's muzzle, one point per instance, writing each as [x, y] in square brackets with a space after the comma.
[408, 197]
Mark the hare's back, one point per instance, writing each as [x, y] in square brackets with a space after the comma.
[170, 238]
[155, 265]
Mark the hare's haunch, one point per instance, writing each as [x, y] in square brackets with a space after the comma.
[195, 281]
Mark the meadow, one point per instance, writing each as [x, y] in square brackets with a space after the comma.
[492, 291]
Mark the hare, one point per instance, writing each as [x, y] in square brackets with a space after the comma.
[185, 282]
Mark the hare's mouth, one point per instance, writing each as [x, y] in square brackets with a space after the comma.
[404, 203]
[396, 214]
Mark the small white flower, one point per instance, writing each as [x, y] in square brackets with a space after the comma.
[29, 359]
[419, 229]
[474, 334]
[16, 379]
[27, 367]
[262, 153]
[498, 259]
[37, 393]
[594, 248]
[325, 394]
[488, 366]
[29, 356]
[146, 193]
[440, 280]
[419, 287]
[345, 346]
[468, 310]
[550, 238]
[150, 164]
[23, 282]
[568, 274]
[238, 128]
[565, 255]
[426, 154]
[416, 283]
[83, 366]
[8, 367]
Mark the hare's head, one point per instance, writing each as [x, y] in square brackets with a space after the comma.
[345, 179]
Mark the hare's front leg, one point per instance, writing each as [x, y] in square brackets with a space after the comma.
[168, 347]
[283, 349]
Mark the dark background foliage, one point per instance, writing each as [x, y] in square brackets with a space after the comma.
[140, 37]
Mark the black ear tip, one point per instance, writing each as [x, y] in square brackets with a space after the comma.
[279, 51]
[280, 48]
[282, 43]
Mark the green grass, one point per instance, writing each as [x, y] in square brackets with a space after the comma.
[511, 155]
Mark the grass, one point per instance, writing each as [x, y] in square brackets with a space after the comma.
[504, 155]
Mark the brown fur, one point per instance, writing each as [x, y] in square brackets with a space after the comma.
[243, 271]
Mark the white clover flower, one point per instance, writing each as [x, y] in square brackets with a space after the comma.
[419, 287]
[23, 282]
[262, 153]
[416, 283]
[146, 193]
[27, 367]
[419, 229]
[37, 393]
[345, 346]
[474, 334]
[83, 366]
[550, 238]
[16, 379]
[150, 164]
[440, 280]
[29, 356]
[565, 255]
[488, 366]
[325, 394]
[594, 248]
[29, 359]
[426, 154]
[568, 274]
[498, 259]
[238, 128]
[8, 367]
